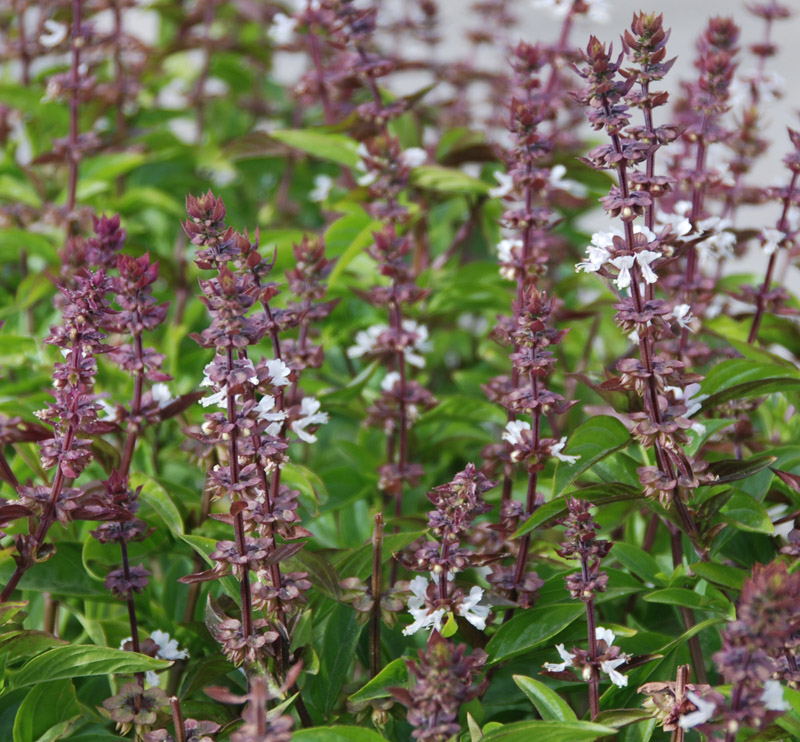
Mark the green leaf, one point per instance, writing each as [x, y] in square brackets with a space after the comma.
[339, 643]
[549, 731]
[594, 440]
[599, 494]
[638, 562]
[683, 597]
[741, 378]
[336, 734]
[9, 610]
[746, 514]
[720, 574]
[63, 574]
[358, 562]
[78, 660]
[731, 470]
[394, 674]
[320, 571]
[619, 718]
[18, 191]
[531, 629]
[321, 144]
[111, 166]
[47, 705]
[18, 645]
[447, 180]
[157, 497]
[13, 241]
[546, 701]
[355, 231]
[475, 734]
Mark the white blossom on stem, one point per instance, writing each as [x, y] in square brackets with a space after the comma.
[557, 448]
[282, 29]
[309, 415]
[423, 619]
[470, 609]
[703, 712]
[55, 33]
[505, 184]
[322, 188]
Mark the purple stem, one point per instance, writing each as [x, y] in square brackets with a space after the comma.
[761, 301]
[377, 591]
[58, 485]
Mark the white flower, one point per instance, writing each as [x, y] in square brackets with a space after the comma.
[705, 710]
[771, 87]
[597, 253]
[167, 650]
[310, 415]
[567, 658]
[679, 225]
[604, 635]
[598, 9]
[475, 324]
[513, 432]
[369, 177]
[19, 134]
[718, 245]
[559, 182]
[414, 157]
[505, 250]
[474, 613]
[771, 240]
[56, 33]
[390, 380]
[420, 345]
[278, 372]
[693, 403]
[644, 259]
[623, 263]
[110, 410]
[220, 398]
[215, 86]
[416, 607]
[264, 411]
[505, 254]
[773, 696]
[167, 647]
[504, 187]
[688, 395]
[322, 188]
[282, 29]
[555, 451]
[682, 314]
[160, 394]
[609, 668]
[367, 342]
[558, 8]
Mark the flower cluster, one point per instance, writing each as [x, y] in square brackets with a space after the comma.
[86, 314]
[581, 543]
[607, 657]
[444, 680]
[386, 171]
[251, 431]
[457, 503]
[633, 257]
[259, 723]
[759, 650]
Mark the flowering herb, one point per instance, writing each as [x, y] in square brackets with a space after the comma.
[327, 478]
